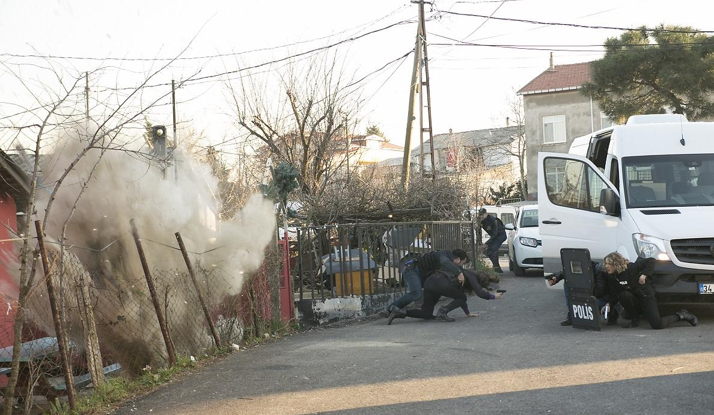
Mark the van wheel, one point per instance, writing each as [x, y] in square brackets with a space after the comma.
[519, 271]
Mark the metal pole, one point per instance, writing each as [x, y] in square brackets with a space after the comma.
[206, 313]
[422, 24]
[349, 144]
[413, 86]
[173, 105]
[86, 93]
[59, 328]
[154, 296]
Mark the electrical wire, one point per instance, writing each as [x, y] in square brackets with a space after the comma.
[562, 48]
[575, 25]
[204, 57]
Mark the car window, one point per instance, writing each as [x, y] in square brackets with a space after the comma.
[573, 184]
[529, 218]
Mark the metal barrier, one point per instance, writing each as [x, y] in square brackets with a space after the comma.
[362, 259]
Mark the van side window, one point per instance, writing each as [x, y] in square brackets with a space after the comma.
[507, 218]
[573, 184]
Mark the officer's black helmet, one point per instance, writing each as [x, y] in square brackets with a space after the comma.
[482, 211]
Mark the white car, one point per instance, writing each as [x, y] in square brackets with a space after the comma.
[524, 243]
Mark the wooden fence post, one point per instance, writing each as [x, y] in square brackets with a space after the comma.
[154, 296]
[216, 339]
[59, 328]
[89, 326]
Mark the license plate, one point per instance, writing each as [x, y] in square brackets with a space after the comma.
[706, 288]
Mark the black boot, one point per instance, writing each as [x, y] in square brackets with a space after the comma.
[688, 317]
[396, 313]
[633, 323]
[612, 318]
[567, 322]
[498, 270]
[441, 316]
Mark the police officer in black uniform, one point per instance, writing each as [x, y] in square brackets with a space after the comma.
[415, 271]
[497, 232]
[442, 283]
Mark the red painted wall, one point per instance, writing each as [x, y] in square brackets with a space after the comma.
[8, 261]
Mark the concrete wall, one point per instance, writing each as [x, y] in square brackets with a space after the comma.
[578, 114]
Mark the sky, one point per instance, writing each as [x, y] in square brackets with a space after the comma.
[470, 85]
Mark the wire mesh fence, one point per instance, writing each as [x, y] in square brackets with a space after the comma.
[113, 322]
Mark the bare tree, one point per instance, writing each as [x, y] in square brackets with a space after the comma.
[57, 113]
[516, 148]
[298, 117]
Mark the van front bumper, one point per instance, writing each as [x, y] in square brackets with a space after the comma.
[672, 281]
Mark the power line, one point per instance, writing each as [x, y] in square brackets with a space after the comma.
[212, 77]
[564, 48]
[580, 26]
[486, 20]
[235, 71]
[189, 58]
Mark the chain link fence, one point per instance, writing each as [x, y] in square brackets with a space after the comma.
[122, 313]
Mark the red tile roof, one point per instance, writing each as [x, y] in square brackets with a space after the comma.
[560, 78]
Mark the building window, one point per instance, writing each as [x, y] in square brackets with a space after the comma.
[554, 177]
[554, 129]
[605, 121]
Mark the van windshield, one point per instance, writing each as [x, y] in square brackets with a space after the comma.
[529, 218]
[667, 181]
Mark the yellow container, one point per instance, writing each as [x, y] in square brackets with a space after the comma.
[350, 283]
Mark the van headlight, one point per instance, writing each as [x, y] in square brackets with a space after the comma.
[650, 247]
[532, 242]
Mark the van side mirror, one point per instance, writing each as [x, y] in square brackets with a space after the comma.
[609, 202]
[509, 227]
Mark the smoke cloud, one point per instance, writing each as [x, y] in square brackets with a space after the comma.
[122, 185]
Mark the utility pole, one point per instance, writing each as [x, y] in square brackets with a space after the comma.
[86, 93]
[173, 105]
[424, 79]
[413, 89]
[349, 144]
[419, 79]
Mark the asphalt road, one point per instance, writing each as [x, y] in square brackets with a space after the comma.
[514, 358]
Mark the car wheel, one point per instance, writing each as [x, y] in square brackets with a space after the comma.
[519, 271]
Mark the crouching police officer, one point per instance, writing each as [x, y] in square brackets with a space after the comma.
[497, 232]
[416, 271]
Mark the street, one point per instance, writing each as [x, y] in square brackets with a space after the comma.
[513, 358]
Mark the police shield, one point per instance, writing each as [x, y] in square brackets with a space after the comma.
[579, 276]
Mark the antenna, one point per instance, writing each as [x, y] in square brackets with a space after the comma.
[681, 131]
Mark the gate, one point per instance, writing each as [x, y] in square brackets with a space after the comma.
[362, 259]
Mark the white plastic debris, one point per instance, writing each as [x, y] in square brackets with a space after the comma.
[193, 359]
[235, 347]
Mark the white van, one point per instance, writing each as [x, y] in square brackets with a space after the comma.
[643, 189]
